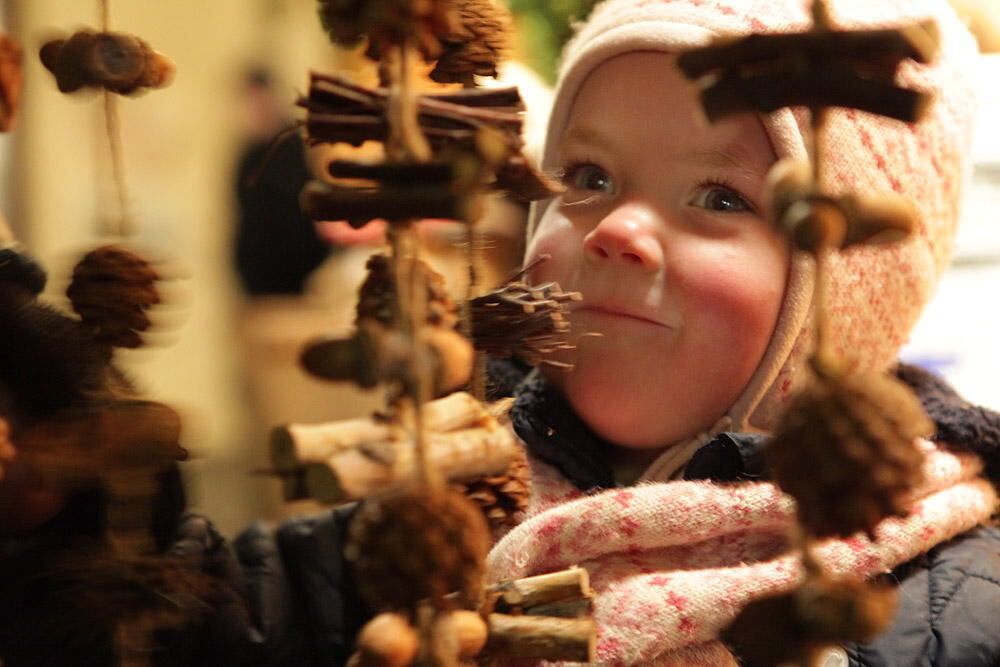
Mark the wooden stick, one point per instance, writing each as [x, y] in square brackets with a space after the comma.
[385, 467]
[358, 206]
[293, 445]
[570, 584]
[542, 637]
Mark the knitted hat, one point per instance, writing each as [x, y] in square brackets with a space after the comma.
[875, 293]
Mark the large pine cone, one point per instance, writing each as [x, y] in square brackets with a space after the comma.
[478, 44]
[418, 547]
[387, 23]
[502, 498]
[845, 451]
[377, 298]
[111, 290]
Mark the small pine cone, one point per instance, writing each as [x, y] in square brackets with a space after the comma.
[502, 498]
[418, 547]
[479, 43]
[795, 627]
[845, 451]
[111, 290]
[378, 295]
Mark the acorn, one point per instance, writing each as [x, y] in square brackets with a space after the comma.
[845, 451]
[415, 547]
[388, 640]
[111, 290]
[115, 61]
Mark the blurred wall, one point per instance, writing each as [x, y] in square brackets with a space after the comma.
[179, 148]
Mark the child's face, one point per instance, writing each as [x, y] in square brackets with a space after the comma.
[662, 230]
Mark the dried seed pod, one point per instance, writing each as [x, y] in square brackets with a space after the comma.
[411, 547]
[845, 450]
[118, 62]
[523, 321]
[388, 640]
[502, 498]
[11, 78]
[377, 298]
[479, 41]
[110, 291]
[793, 628]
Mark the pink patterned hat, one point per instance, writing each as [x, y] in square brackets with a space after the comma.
[876, 293]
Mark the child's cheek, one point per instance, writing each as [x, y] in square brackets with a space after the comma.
[740, 295]
[554, 266]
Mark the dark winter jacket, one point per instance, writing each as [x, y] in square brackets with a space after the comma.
[289, 598]
[949, 597]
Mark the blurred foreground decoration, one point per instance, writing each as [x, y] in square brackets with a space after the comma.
[84, 441]
[859, 428]
[418, 542]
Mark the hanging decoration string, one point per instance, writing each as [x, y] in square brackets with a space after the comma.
[122, 226]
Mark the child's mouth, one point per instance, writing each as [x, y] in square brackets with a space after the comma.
[619, 312]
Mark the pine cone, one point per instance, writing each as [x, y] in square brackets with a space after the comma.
[418, 547]
[387, 23]
[110, 291]
[479, 42]
[522, 321]
[377, 299]
[502, 497]
[793, 628]
[845, 452]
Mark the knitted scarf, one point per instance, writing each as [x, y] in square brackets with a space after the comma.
[673, 563]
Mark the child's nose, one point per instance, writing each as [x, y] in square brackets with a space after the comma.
[624, 237]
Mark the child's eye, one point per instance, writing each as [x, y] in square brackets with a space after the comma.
[721, 198]
[588, 177]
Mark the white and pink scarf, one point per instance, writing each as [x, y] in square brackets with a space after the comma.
[673, 563]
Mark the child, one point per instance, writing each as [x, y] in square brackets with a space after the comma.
[703, 313]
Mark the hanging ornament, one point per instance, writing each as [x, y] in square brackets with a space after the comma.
[115, 61]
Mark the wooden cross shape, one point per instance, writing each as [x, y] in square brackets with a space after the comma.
[819, 68]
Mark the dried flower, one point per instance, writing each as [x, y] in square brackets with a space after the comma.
[523, 321]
